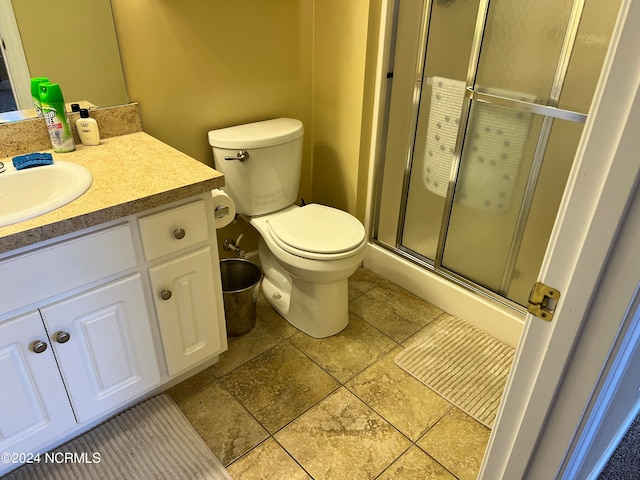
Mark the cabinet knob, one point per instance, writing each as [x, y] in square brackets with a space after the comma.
[179, 233]
[165, 294]
[62, 337]
[38, 346]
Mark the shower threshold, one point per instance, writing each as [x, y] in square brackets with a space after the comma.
[496, 315]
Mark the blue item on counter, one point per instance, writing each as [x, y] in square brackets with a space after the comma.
[32, 160]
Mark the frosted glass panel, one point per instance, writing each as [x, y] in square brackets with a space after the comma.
[521, 46]
[449, 45]
[558, 159]
[496, 158]
[591, 45]
[520, 55]
[513, 165]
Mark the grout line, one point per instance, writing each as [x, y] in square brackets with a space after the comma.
[340, 384]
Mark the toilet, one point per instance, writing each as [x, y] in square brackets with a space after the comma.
[307, 253]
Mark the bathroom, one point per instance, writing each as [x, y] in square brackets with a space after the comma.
[195, 66]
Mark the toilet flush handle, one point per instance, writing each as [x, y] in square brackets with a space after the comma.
[241, 156]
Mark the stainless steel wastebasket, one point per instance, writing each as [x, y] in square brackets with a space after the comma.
[240, 288]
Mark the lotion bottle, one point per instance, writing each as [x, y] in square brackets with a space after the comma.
[87, 128]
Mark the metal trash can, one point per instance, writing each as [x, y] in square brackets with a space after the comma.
[240, 287]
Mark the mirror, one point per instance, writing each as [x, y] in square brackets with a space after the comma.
[72, 42]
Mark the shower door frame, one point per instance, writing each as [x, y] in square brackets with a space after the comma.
[549, 111]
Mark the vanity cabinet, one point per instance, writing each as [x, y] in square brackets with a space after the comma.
[186, 291]
[74, 359]
[92, 349]
[97, 320]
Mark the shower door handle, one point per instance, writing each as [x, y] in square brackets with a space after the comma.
[524, 106]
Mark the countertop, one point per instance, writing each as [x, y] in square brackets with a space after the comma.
[131, 173]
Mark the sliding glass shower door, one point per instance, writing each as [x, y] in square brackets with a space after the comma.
[500, 98]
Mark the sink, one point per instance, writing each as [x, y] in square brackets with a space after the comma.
[30, 192]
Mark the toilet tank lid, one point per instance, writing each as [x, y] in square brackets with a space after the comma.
[258, 134]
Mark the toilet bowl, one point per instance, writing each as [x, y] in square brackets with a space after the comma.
[307, 253]
[307, 286]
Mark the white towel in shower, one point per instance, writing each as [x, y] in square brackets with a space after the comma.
[444, 118]
[492, 154]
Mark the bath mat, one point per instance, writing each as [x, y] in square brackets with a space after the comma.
[153, 440]
[463, 364]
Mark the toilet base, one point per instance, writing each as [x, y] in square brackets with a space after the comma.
[319, 310]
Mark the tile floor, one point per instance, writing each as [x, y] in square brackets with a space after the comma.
[282, 405]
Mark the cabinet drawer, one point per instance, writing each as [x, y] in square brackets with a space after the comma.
[49, 271]
[174, 229]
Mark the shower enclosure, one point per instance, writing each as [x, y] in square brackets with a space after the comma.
[486, 105]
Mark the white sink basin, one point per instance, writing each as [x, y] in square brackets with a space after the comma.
[30, 192]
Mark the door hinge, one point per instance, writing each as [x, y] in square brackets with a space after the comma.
[543, 301]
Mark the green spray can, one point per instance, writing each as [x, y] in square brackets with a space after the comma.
[53, 110]
[35, 93]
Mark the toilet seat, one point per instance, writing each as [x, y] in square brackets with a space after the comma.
[317, 232]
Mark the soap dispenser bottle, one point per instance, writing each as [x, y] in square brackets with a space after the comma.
[87, 128]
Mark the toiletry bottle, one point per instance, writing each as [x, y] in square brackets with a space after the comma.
[35, 93]
[87, 128]
[53, 109]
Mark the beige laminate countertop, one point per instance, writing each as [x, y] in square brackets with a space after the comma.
[131, 173]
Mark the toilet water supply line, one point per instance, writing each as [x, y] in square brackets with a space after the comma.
[234, 245]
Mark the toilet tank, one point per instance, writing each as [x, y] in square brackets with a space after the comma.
[261, 163]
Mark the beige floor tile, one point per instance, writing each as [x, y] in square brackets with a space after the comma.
[268, 461]
[416, 465]
[267, 313]
[341, 438]
[458, 442]
[347, 353]
[364, 280]
[279, 385]
[278, 376]
[225, 426]
[192, 383]
[245, 347]
[395, 312]
[402, 400]
[425, 331]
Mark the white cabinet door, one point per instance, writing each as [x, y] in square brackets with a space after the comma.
[109, 356]
[34, 408]
[188, 304]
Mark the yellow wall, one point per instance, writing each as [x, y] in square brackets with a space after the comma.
[196, 66]
[339, 54]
